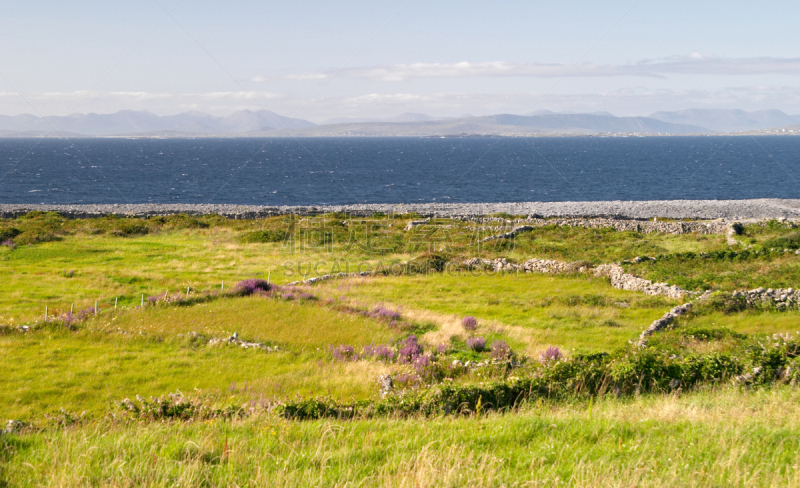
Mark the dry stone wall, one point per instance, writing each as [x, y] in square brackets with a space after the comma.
[619, 278]
[663, 322]
[643, 226]
[780, 298]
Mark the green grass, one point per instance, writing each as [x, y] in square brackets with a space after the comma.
[580, 314]
[751, 322]
[704, 438]
[149, 352]
[721, 438]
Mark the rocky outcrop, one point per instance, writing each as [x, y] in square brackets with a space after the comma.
[509, 235]
[13, 426]
[311, 281]
[235, 341]
[415, 223]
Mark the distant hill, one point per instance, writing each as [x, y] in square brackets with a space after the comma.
[129, 122]
[508, 125]
[728, 120]
[267, 124]
[406, 117]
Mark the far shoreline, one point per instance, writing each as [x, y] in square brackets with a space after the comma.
[758, 209]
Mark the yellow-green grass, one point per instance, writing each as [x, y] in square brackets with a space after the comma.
[604, 245]
[719, 438]
[584, 315]
[750, 322]
[125, 268]
[141, 352]
[297, 326]
[778, 271]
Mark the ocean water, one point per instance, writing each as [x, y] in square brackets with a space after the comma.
[396, 170]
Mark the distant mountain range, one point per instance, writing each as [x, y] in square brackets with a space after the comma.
[129, 122]
[729, 120]
[266, 123]
[406, 117]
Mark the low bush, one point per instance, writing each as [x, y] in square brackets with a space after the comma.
[251, 286]
[176, 407]
[264, 236]
[9, 233]
[630, 371]
[791, 241]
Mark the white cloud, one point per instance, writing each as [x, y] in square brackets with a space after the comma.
[694, 64]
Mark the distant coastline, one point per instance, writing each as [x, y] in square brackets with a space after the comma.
[764, 208]
[264, 123]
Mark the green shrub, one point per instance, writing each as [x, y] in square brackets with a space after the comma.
[791, 241]
[725, 303]
[264, 236]
[9, 233]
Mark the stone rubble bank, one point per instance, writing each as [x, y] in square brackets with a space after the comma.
[764, 208]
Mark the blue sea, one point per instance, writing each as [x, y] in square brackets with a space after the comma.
[288, 171]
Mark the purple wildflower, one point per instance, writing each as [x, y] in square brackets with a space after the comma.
[441, 348]
[253, 285]
[500, 350]
[409, 349]
[477, 344]
[552, 353]
[85, 313]
[68, 319]
[344, 353]
[382, 312]
[469, 323]
[422, 363]
[381, 352]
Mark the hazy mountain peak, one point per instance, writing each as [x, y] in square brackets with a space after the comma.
[130, 122]
[728, 120]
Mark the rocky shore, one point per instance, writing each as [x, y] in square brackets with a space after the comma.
[673, 209]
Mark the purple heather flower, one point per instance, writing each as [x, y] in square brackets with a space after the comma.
[409, 349]
[500, 350]
[344, 353]
[469, 323]
[384, 313]
[253, 285]
[552, 353]
[381, 352]
[422, 363]
[477, 344]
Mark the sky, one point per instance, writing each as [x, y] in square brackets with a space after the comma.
[318, 60]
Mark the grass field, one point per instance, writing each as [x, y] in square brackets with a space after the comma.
[52, 374]
[719, 438]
